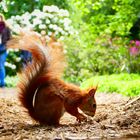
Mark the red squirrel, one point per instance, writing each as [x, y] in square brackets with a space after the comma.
[42, 91]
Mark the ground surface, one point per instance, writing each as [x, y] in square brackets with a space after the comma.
[116, 117]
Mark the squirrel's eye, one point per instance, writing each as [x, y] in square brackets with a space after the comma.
[94, 105]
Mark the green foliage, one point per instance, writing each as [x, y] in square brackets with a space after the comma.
[134, 64]
[87, 58]
[126, 84]
[13, 62]
[20, 7]
[46, 22]
[11, 81]
[134, 56]
[49, 20]
[114, 17]
[101, 45]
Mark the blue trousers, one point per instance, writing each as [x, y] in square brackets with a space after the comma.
[3, 56]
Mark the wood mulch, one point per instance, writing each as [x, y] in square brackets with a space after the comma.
[116, 117]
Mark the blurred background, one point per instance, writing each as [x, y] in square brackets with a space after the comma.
[101, 39]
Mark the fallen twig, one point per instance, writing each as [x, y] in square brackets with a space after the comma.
[132, 102]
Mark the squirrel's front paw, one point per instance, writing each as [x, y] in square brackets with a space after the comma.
[81, 118]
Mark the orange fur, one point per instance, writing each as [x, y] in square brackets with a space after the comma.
[42, 92]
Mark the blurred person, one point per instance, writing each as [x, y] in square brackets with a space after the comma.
[26, 57]
[4, 37]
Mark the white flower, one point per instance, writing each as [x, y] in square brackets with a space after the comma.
[51, 19]
[61, 21]
[76, 32]
[10, 50]
[26, 22]
[13, 66]
[66, 33]
[6, 64]
[10, 22]
[56, 33]
[65, 51]
[42, 26]
[50, 15]
[26, 16]
[59, 29]
[71, 32]
[55, 19]
[30, 27]
[61, 38]
[67, 21]
[45, 8]
[36, 12]
[55, 27]
[12, 17]
[51, 26]
[43, 32]
[17, 17]
[50, 8]
[49, 33]
[16, 28]
[67, 28]
[47, 21]
[63, 12]
[63, 32]
[16, 50]
[37, 21]
[18, 59]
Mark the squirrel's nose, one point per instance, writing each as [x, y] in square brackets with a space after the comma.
[94, 105]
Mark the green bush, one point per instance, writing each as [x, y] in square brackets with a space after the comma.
[13, 62]
[102, 45]
[87, 58]
[126, 84]
[47, 21]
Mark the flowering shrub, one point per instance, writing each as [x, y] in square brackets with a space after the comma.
[50, 20]
[13, 62]
[134, 58]
[134, 47]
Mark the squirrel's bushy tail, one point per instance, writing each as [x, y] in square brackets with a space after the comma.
[46, 61]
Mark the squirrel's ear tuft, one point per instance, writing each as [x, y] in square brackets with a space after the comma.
[92, 91]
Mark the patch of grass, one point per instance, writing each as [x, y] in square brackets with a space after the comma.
[126, 84]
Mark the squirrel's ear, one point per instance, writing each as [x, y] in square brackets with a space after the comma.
[92, 91]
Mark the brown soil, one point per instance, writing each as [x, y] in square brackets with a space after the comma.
[116, 117]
